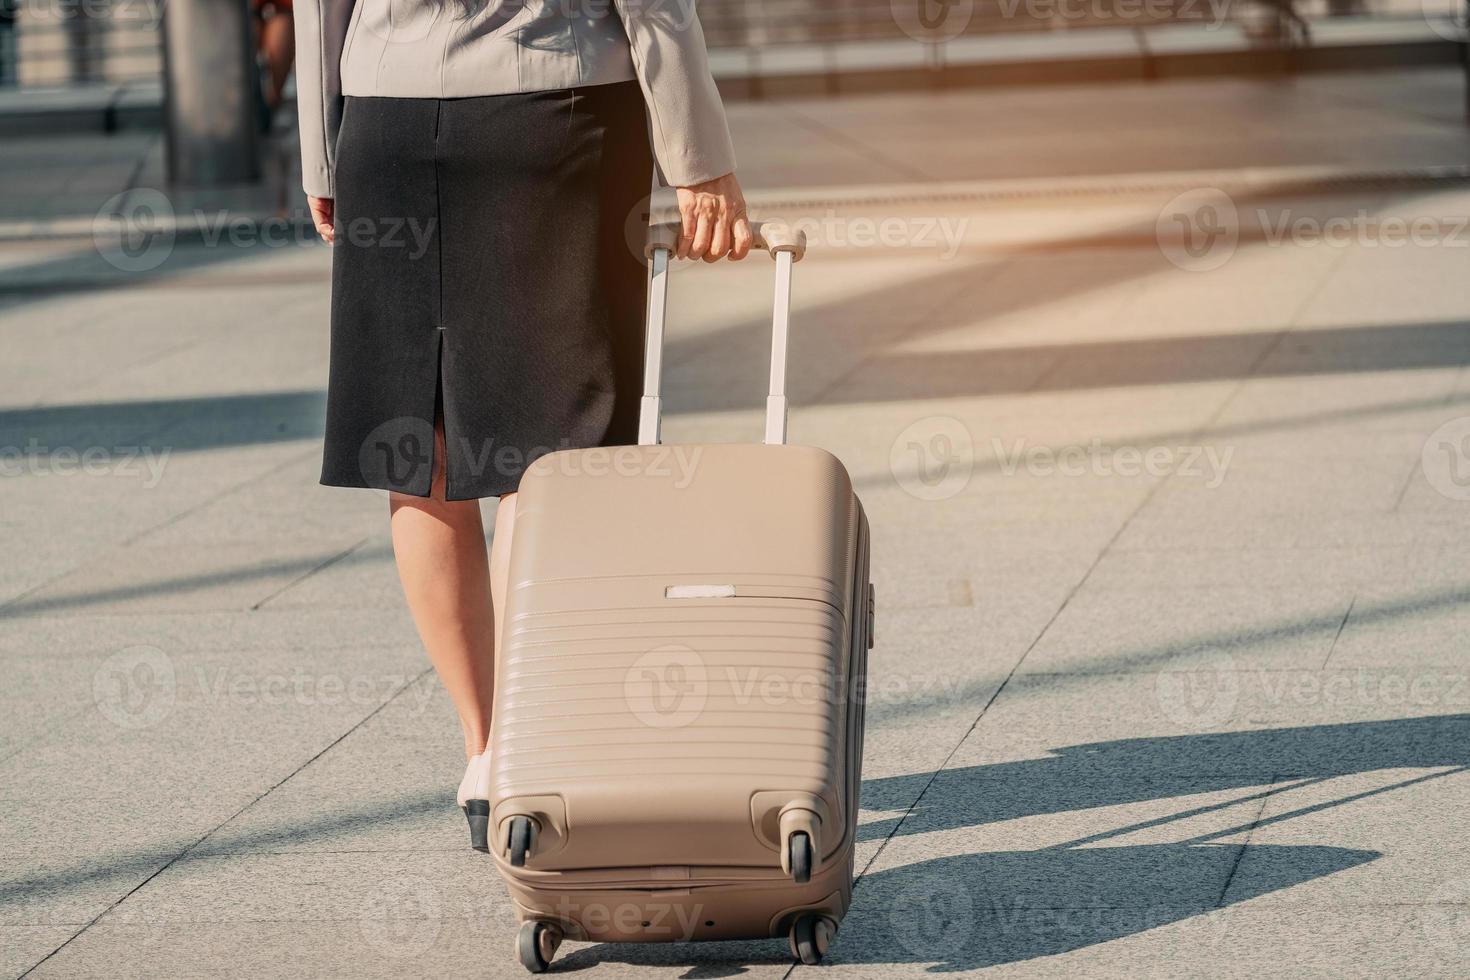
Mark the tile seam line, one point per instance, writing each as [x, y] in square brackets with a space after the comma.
[1244, 845]
[161, 525]
[1341, 627]
[319, 567]
[211, 832]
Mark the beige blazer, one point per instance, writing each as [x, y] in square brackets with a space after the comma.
[453, 48]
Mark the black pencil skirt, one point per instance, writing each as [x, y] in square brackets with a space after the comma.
[485, 273]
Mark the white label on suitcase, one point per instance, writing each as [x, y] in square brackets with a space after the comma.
[700, 592]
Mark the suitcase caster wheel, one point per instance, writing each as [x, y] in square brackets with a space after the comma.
[518, 842]
[800, 858]
[810, 936]
[536, 944]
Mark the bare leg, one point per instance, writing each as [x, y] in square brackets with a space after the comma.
[505, 518]
[440, 549]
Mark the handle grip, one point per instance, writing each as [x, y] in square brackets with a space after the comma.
[770, 236]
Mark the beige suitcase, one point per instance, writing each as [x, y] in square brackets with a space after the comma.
[678, 719]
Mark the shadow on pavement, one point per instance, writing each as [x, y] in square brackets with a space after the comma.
[1099, 774]
[214, 422]
[967, 911]
[978, 910]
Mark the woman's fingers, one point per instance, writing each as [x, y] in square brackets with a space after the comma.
[744, 238]
[719, 242]
[322, 209]
[703, 230]
[713, 221]
[688, 219]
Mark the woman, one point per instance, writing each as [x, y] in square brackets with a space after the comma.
[275, 41]
[478, 165]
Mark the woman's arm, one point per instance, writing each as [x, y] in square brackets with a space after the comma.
[691, 140]
[321, 30]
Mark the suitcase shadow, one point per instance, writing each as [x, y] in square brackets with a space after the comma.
[1266, 762]
[971, 911]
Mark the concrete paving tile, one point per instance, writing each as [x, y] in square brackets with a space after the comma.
[1245, 487]
[965, 912]
[367, 577]
[1373, 809]
[1393, 878]
[68, 860]
[1239, 940]
[22, 947]
[411, 909]
[1351, 566]
[1102, 631]
[148, 578]
[1422, 496]
[1398, 628]
[1201, 531]
[1235, 723]
[1262, 400]
[390, 940]
[200, 723]
[1035, 805]
[412, 748]
[317, 887]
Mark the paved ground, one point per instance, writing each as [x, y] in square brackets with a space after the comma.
[1171, 673]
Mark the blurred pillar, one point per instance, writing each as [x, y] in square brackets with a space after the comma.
[210, 93]
[83, 48]
[9, 62]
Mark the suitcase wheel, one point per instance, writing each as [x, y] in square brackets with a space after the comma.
[801, 857]
[811, 934]
[536, 944]
[519, 841]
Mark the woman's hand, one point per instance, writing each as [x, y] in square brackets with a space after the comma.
[322, 209]
[715, 225]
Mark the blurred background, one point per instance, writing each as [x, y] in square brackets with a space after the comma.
[1141, 326]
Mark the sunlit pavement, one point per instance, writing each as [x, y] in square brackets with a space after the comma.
[1168, 474]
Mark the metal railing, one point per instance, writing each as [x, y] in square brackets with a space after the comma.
[66, 42]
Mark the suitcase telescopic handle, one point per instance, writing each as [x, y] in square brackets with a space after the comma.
[787, 245]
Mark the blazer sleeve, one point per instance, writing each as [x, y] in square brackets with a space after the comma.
[691, 140]
[321, 31]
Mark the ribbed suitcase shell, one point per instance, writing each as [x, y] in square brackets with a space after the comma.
[686, 634]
